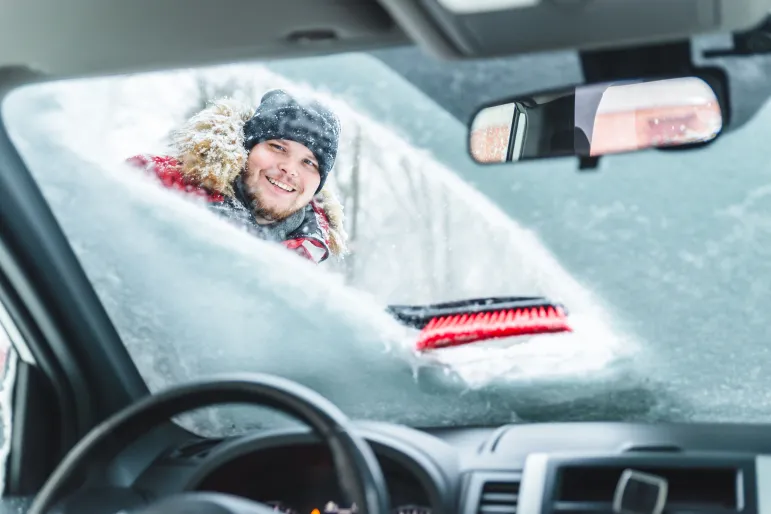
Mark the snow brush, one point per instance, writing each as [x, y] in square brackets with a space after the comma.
[459, 323]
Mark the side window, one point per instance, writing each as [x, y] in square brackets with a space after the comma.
[5, 351]
[8, 358]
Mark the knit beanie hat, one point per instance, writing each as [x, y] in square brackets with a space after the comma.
[280, 116]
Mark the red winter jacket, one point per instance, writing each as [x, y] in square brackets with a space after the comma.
[310, 234]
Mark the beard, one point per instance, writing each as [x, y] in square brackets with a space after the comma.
[270, 214]
[262, 209]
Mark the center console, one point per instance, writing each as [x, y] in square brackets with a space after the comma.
[626, 483]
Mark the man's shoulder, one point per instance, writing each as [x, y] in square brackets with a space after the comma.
[321, 217]
[156, 163]
[168, 170]
[311, 238]
[144, 159]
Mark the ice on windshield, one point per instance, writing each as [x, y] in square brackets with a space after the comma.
[192, 296]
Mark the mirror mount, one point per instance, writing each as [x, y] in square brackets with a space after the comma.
[669, 59]
[588, 163]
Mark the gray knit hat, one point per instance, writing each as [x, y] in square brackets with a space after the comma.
[280, 116]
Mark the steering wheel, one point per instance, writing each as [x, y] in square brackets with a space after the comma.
[357, 468]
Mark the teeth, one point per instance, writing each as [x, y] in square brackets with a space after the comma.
[280, 185]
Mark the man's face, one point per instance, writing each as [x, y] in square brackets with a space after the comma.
[282, 177]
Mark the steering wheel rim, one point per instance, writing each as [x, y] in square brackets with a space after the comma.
[357, 468]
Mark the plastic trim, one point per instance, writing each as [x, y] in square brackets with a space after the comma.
[413, 19]
[355, 463]
[559, 25]
[532, 490]
[540, 476]
[763, 477]
[17, 341]
[416, 462]
[94, 38]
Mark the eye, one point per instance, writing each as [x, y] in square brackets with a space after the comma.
[278, 147]
[311, 163]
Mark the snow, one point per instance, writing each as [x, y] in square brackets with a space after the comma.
[10, 364]
[193, 296]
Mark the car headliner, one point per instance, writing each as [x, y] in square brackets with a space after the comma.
[56, 39]
[67, 38]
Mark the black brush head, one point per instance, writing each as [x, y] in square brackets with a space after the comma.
[418, 316]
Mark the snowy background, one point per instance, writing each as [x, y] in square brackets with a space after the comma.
[659, 258]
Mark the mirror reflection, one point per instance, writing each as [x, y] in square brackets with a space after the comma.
[597, 119]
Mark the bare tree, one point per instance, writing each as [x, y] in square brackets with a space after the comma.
[208, 91]
[354, 194]
[449, 258]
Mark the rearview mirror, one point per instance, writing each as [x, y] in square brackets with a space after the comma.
[597, 119]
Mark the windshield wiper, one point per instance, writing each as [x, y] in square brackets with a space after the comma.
[467, 321]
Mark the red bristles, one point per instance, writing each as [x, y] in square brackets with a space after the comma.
[462, 329]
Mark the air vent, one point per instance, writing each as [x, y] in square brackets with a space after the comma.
[499, 498]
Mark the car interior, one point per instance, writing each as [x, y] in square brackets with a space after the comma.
[86, 436]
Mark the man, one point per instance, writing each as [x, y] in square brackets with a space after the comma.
[264, 171]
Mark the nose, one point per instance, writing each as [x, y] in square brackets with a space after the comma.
[287, 168]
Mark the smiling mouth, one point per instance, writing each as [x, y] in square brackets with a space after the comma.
[281, 185]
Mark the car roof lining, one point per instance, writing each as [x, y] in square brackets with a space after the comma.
[557, 25]
[79, 38]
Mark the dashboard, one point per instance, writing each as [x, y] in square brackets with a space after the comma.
[546, 468]
[301, 479]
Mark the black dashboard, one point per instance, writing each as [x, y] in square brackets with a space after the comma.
[301, 479]
[525, 469]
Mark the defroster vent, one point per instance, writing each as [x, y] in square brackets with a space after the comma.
[499, 498]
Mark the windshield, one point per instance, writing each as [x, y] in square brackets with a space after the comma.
[662, 258]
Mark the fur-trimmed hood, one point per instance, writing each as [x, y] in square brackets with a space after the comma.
[210, 146]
